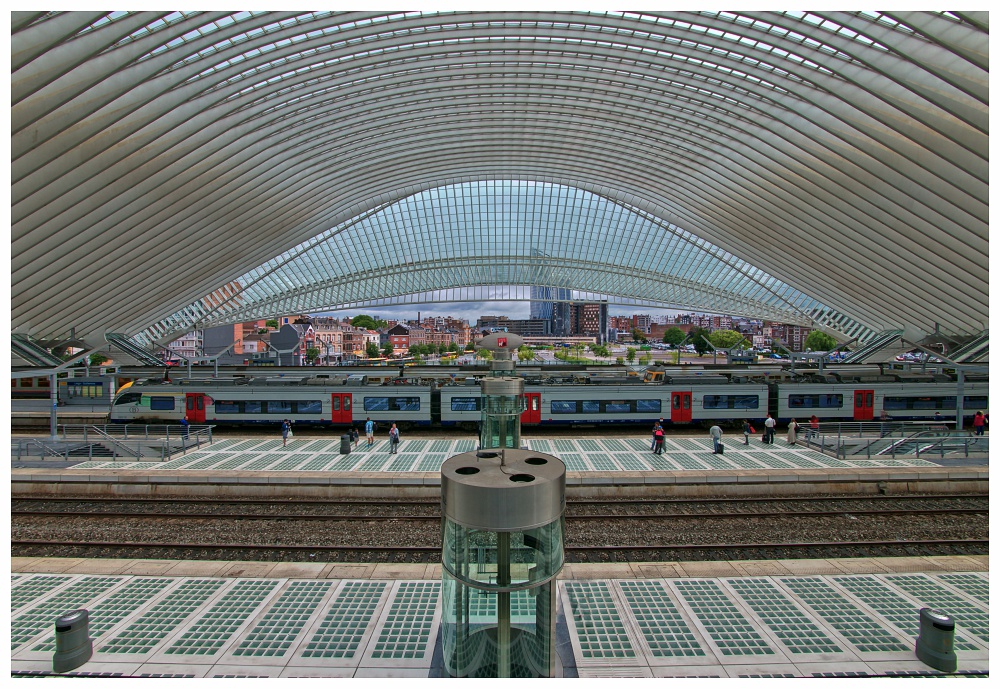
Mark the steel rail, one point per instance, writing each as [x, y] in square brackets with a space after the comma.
[569, 517]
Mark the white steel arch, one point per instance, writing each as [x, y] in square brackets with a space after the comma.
[157, 156]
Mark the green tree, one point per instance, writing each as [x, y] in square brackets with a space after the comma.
[96, 359]
[387, 350]
[673, 336]
[525, 353]
[600, 350]
[630, 354]
[484, 354]
[364, 321]
[726, 339]
[619, 361]
[311, 354]
[453, 347]
[372, 350]
[697, 338]
[271, 324]
[819, 341]
[470, 347]
[638, 336]
[645, 358]
[442, 349]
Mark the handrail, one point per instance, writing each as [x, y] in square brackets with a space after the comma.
[137, 453]
[168, 439]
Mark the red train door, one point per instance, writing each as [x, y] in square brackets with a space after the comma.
[864, 405]
[195, 412]
[340, 404]
[680, 407]
[532, 413]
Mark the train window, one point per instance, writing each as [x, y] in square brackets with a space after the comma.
[890, 403]
[376, 404]
[249, 407]
[26, 383]
[535, 403]
[190, 403]
[618, 407]
[336, 403]
[647, 406]
[687, 401]
[745, 401]
[279, 407]
[869, 399]
[160, 403]
[591, 407]
[563, 406]
[310, 407]
[859, 399]
[201, 403]
[347, 403]
[977, 401]
[129, 398]
[715, 402]
[465, 403]
[406, 403]
[814, 401]
[42, 383]
[677, 402]
[831, 401]
[926, 403]
[227, 407]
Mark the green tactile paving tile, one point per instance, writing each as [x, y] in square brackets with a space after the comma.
[723, 621]
[599, 627]
[290, 462]
[829, 462]
[164, 617]
[411, 446]
[343, 627]
[661, 624]
[745, 462]
[244, 445]
[661, 463]
[601, 463]
[182, 462]
[860, 630]
[440, 446]
[317, 445]
[631, 463]
[616, 445]
[145, 465]
[374, 463]
[276, 632]
[772, 462]
[407, 627]
[639, 445]
[786, 620]
[574, 462]
[97, 465]
[841, 674]
[320, 462]
[237, 461]
[214, 628]
[345, 463]
[25, 593]
[588, 445]
[969, 584]
[773, 674]
[691, 445]
[717, 462]
[403, 463]
[216, 460]
[689, 462]
[30, 624]
[275, 444]
[540, 445]
[262, 461]
[890, 605]
[116, 607]
[430, 462]
[966, 614]
[565, 446]
[465, 446]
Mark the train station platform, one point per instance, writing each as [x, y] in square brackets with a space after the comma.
[779, 618]
[599, 467]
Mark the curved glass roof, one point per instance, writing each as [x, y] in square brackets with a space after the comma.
[504, 232]
[839, 155]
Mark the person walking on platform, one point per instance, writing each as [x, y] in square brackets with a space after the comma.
[393, 439]
[814, 426]
[355, 436]
[747, 430]
[793, 431]
[769, 430]
[716, 434]
[656, 424]
[370, 431]
[979, 423]
[286, 430]
[658, 440]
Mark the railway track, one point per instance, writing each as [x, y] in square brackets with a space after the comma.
[617, 553]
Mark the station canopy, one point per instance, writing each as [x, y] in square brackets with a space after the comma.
[177, 170]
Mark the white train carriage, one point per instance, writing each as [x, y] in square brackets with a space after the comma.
[918, 401]
[322, 402]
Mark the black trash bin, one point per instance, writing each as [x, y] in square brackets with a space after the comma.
[345, 444]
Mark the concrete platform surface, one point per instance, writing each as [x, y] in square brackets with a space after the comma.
[787, 618]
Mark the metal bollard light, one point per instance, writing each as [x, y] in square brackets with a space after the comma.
[74, 647]
[345, 444]
[936, 642]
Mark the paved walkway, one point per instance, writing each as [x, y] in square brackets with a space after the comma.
[581, 455]
[788, 618]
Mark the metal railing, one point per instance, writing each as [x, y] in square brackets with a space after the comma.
[880, 438]
[131, 441]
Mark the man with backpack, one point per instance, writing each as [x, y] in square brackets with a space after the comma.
[370, 431]
[393, 439]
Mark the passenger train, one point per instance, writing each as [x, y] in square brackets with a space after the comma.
[677, 397]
